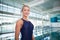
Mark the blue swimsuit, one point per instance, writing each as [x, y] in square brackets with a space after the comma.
[27, 30]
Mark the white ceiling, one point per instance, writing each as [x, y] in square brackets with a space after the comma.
[37, 6]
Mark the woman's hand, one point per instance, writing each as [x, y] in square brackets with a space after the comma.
[33, 37]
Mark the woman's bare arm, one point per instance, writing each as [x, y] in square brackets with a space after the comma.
[33, 37]
[19, 24]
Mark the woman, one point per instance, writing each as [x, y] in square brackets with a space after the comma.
[24, 26]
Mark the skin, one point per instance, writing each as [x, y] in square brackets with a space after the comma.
[19, 23]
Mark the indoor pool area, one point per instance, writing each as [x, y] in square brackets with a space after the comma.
[44, 15]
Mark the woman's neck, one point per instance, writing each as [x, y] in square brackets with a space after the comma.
[25, 18]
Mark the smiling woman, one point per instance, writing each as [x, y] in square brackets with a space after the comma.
[24, 26]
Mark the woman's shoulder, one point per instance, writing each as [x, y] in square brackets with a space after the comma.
[19, 21]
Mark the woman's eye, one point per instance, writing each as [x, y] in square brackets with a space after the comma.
[28, 10]
[24, 10]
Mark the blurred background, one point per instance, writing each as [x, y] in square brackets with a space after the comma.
[44, 14]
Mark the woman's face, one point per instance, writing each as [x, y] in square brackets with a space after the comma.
[26, 11]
